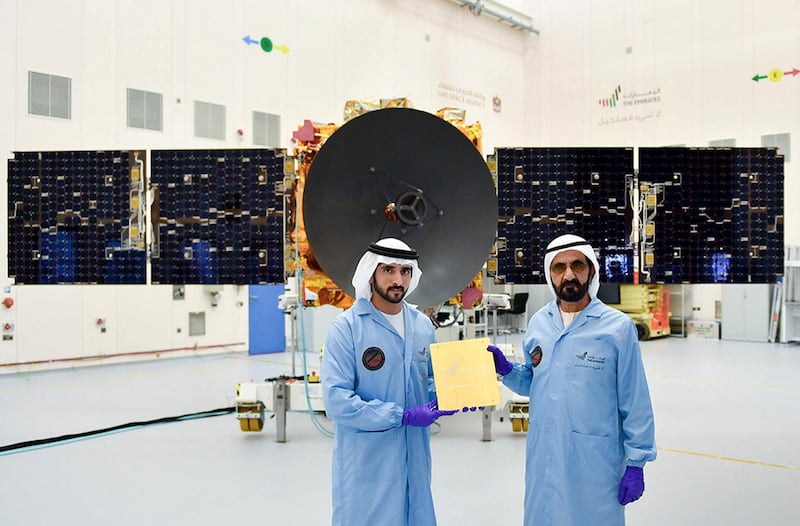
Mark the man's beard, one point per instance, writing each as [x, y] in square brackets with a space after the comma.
[388, 294]
[572, 290]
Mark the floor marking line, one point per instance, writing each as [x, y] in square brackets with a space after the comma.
[732, 459]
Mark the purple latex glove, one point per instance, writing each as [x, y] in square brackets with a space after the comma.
[501, 364]
[631, 486]
[424, 415]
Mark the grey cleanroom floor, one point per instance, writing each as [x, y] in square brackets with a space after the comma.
[727, 427]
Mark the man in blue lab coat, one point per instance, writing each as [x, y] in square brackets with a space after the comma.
[591, 420]
[377, 384]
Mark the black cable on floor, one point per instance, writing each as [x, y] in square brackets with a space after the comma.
[44, 442]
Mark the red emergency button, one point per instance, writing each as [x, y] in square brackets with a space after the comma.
[8, 302]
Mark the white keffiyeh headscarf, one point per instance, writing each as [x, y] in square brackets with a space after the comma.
[387, 251]
[572, 242]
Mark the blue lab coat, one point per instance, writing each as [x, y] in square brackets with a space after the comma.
[590, 415]
[381, 468]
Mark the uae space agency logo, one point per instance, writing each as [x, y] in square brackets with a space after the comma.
[586, 357]
[620, 106]
[497, 104]
[618, 98]
[611, 100]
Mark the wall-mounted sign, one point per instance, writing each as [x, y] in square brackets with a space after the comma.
[266, 44]
[626, 106]
[776, 74]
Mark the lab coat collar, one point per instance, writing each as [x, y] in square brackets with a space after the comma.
[364, 307]
[593, 310]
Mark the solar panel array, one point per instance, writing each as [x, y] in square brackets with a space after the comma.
[718, 217]
[80, 217]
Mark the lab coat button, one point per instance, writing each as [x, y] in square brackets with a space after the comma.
[553, 395]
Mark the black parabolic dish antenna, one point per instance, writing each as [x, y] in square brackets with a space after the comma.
[403, 173]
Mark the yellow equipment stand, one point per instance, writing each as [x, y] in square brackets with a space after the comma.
[648, 306]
